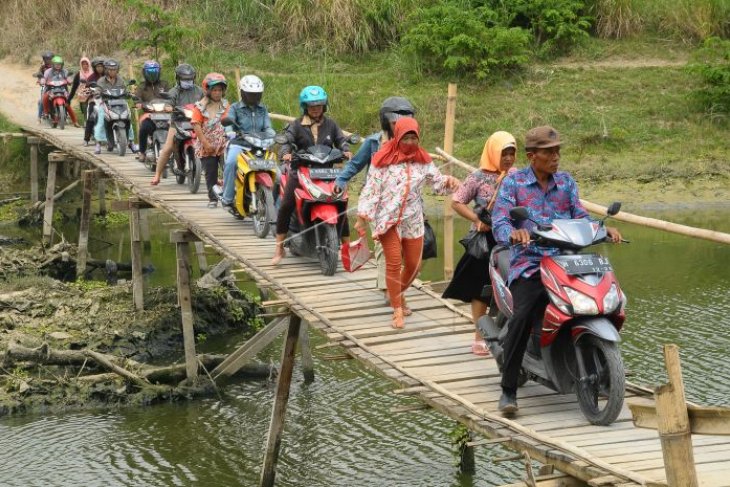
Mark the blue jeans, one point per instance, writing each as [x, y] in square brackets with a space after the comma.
[229, 173]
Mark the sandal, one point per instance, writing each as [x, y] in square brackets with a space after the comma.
[478, 347]
[398, 321]
[406, 310]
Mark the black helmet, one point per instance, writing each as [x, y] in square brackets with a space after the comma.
[47, 55]
[96, 61]
[394, 108]
[111, 64]
[184, 72]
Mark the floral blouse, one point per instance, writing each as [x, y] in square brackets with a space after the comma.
[392, 196]
[479, 187]
[211, 126]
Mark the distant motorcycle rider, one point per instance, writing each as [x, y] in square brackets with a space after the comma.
[56, 72]
[103, 130]
[97, 66]
[185, 92]
[251, 116]
[46, 56]
[149, 90]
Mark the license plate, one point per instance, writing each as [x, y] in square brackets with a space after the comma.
[160, 116]
[324, 173]
[261, 165]
[586, 264]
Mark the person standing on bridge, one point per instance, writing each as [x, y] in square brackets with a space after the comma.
[211, 135]
[392, 203]
[184, 93]
[471, 277]
[313, 127]
[391, 110]
[547, 194]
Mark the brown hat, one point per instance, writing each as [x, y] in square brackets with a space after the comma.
[542, 138]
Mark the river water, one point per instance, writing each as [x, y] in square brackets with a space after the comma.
[340, 430]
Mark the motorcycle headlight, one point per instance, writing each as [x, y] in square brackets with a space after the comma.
[313, 189]
[559, 303]
[582, 304]
[611, 300]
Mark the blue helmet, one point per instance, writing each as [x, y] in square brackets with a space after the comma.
[151, 71]
[312, 95]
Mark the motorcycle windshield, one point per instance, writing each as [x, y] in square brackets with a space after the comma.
[573, 233]
[260, 140]
[320, 155]
[115, 92]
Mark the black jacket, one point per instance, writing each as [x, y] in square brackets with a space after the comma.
[301, 135]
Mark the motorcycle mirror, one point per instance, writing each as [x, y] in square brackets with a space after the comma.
[354, 139]
[519, 213]
[613, 208]
[280, 139]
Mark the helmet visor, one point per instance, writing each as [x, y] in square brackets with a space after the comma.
[152, 75]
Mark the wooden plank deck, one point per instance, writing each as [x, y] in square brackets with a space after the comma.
[432, 351]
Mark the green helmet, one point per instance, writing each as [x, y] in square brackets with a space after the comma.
[57, 60]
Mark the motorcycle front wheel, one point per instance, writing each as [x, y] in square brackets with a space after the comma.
[194, 168]
[151, 163]
[61, 117]
[264, 211]
[120, 134]
[329, 248]
[601, 391]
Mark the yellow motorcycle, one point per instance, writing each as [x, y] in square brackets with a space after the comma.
[255, 177]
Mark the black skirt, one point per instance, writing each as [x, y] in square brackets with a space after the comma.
[471, 279]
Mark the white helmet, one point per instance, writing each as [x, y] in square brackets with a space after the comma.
[251, 84]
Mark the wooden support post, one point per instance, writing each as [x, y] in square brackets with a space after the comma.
[238, 82]
[50, 191]
[448, 211]
[673, 424]
[466, 457]
[305, 350]
[102, 196]
[83, 249]
[144, 224]
[33, 142]
[136, 242]
[276, 427]
[202, 259]
[182, 239]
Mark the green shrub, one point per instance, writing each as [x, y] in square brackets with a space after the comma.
[557, 25]
[712, 63]
[456, 40]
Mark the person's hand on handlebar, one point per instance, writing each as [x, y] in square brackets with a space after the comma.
[520, 236]
[338, 189]
[286, 158]
[348, 155]
[613, 235]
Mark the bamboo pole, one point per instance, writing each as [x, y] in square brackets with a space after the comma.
[136, 244]
[102, 196]
[305, 350]
[702, 233]
[673, 425]
[50, 190]
[448, 210]
[83, 249]
[181, 239]
[276, 427]
[33, 142]
[238, 83]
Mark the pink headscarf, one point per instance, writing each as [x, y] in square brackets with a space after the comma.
[84, 73]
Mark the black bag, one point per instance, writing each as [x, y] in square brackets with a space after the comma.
[429, 242]
[476, 244]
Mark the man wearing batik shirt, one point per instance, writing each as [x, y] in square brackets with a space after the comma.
[548, 195]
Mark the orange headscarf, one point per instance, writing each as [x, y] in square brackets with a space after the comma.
[392, 152]
[492, 153]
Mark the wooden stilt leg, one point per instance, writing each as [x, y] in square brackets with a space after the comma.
[83, 249]
[48, 211]
[182, 239]
[202, 259]
[102, 196]
[136, 241]
[305, 351]
[466, 458]
[33, 142]
[144, 225]
[276, 427]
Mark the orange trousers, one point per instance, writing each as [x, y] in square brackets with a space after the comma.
[402, 263]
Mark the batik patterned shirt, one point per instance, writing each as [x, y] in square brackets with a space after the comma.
[559, 201]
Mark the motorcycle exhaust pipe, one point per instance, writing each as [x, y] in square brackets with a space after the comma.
[490, 332]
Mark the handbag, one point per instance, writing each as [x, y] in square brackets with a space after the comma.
[355, 254]
[476, 244]
[430, 249]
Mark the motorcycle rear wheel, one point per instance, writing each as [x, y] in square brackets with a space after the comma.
[195, 167]
[120, 134]
[264, 211]
[61, 117]
[329, 248]
[601, 393]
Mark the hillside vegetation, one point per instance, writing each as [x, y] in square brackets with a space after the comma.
[611, 75]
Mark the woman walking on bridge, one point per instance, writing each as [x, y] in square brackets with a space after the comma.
[471, 277]
[392, 202]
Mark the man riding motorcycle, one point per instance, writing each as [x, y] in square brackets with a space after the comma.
[103, 131]
[55, 72]
[250, 115]
[548, 195]
[149, 90]
[184, 93]
[46, 56]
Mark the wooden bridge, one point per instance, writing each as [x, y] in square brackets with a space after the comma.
[430, 359]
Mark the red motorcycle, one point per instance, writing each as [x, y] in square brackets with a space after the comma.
[319, 213]
[184, 164]
[57, 89]
[574, 347]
